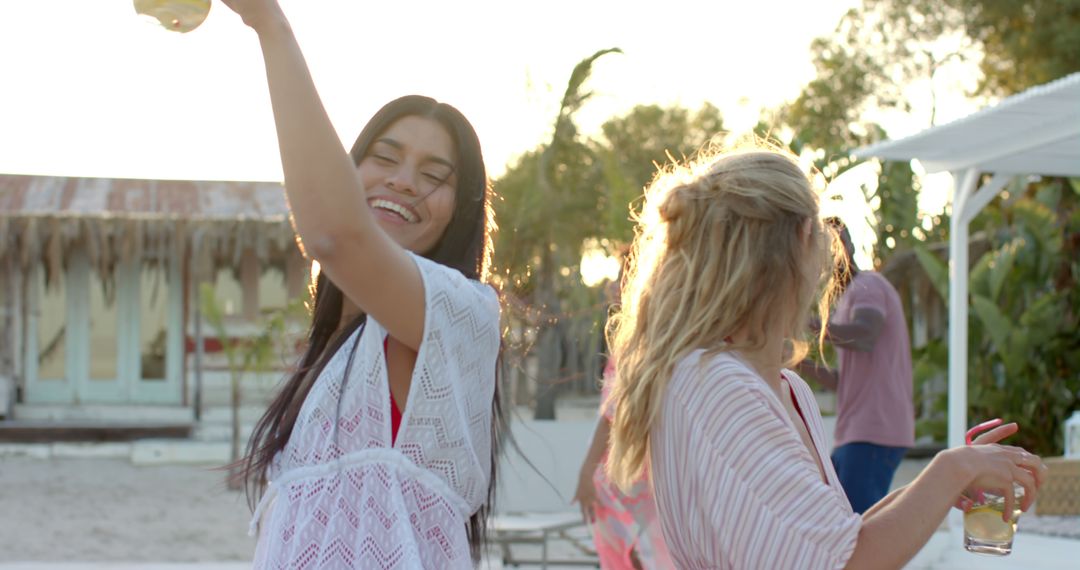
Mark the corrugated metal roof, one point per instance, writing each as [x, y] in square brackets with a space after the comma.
[1034, 132]
[54, 196]
[48, 218]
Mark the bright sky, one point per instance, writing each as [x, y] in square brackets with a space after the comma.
[91, 89]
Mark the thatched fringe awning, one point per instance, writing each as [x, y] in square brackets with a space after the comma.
[43, 219]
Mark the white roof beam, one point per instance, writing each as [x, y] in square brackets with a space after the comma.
[1031, 139]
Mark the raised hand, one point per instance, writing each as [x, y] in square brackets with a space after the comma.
[585, 497]
[256, 13]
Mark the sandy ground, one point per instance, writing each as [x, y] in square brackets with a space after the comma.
[109, 509]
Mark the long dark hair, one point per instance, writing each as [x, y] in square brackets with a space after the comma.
[465, 246]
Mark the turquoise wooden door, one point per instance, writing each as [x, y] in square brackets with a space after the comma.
[153, 335]
[48, 359]
[105, 341]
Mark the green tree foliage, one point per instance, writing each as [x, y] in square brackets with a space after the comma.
[882, 45]
[1024, 348]
[1024, 327]
[1017, 44]
[547, 209]
[634, 146]
[857, 71]
[547, 200]
[876, 49]
[1025, 43]
[248, 355]
[570, 191]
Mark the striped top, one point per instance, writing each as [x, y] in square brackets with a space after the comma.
[734, 484]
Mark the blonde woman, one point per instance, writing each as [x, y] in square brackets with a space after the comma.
[728, 258]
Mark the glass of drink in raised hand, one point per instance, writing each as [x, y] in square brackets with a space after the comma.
[175, 15]
[985, 529]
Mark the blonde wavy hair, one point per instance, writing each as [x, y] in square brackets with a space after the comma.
[719, 248]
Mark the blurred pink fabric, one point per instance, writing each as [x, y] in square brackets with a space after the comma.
[627, 523]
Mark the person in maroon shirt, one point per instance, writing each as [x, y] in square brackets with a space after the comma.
[875, 416]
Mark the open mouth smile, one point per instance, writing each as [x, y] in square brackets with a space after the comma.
[404, 213]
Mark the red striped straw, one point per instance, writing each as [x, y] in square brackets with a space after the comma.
[987, 425]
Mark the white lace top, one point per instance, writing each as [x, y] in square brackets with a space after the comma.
[354, 500]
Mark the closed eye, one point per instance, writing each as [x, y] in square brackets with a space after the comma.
[383, 159]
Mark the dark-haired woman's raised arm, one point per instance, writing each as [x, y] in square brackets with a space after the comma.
[327, 198]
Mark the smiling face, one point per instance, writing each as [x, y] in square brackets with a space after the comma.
[408, 174]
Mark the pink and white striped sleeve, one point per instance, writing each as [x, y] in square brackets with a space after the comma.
[734, 484]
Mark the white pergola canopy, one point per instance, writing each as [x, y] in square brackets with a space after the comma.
[1036, 132]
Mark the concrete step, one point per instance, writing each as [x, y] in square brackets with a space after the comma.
[142, 452]
[46, 431]
[223, 414]
[98, 413]
[222, 396]
[220, 432]
[83, 450]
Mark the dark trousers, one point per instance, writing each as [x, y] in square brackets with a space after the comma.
[866, 471]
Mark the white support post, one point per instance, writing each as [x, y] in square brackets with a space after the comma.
[174, 333]
[958, 309]
[967, 202]
[958, 325]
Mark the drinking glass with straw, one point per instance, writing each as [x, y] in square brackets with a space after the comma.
[986, 530]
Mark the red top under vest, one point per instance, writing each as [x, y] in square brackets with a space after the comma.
[395, 410]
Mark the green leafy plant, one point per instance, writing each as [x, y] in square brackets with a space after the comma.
[1024, 330]
[248, 354]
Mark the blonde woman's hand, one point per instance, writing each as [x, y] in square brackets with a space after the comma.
[993, 436]
[256, 13]
[585, 496]
[994, 467]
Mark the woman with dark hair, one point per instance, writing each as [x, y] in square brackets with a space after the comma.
[379, 451]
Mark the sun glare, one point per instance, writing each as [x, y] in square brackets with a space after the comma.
[596, 265]
[845, 197]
